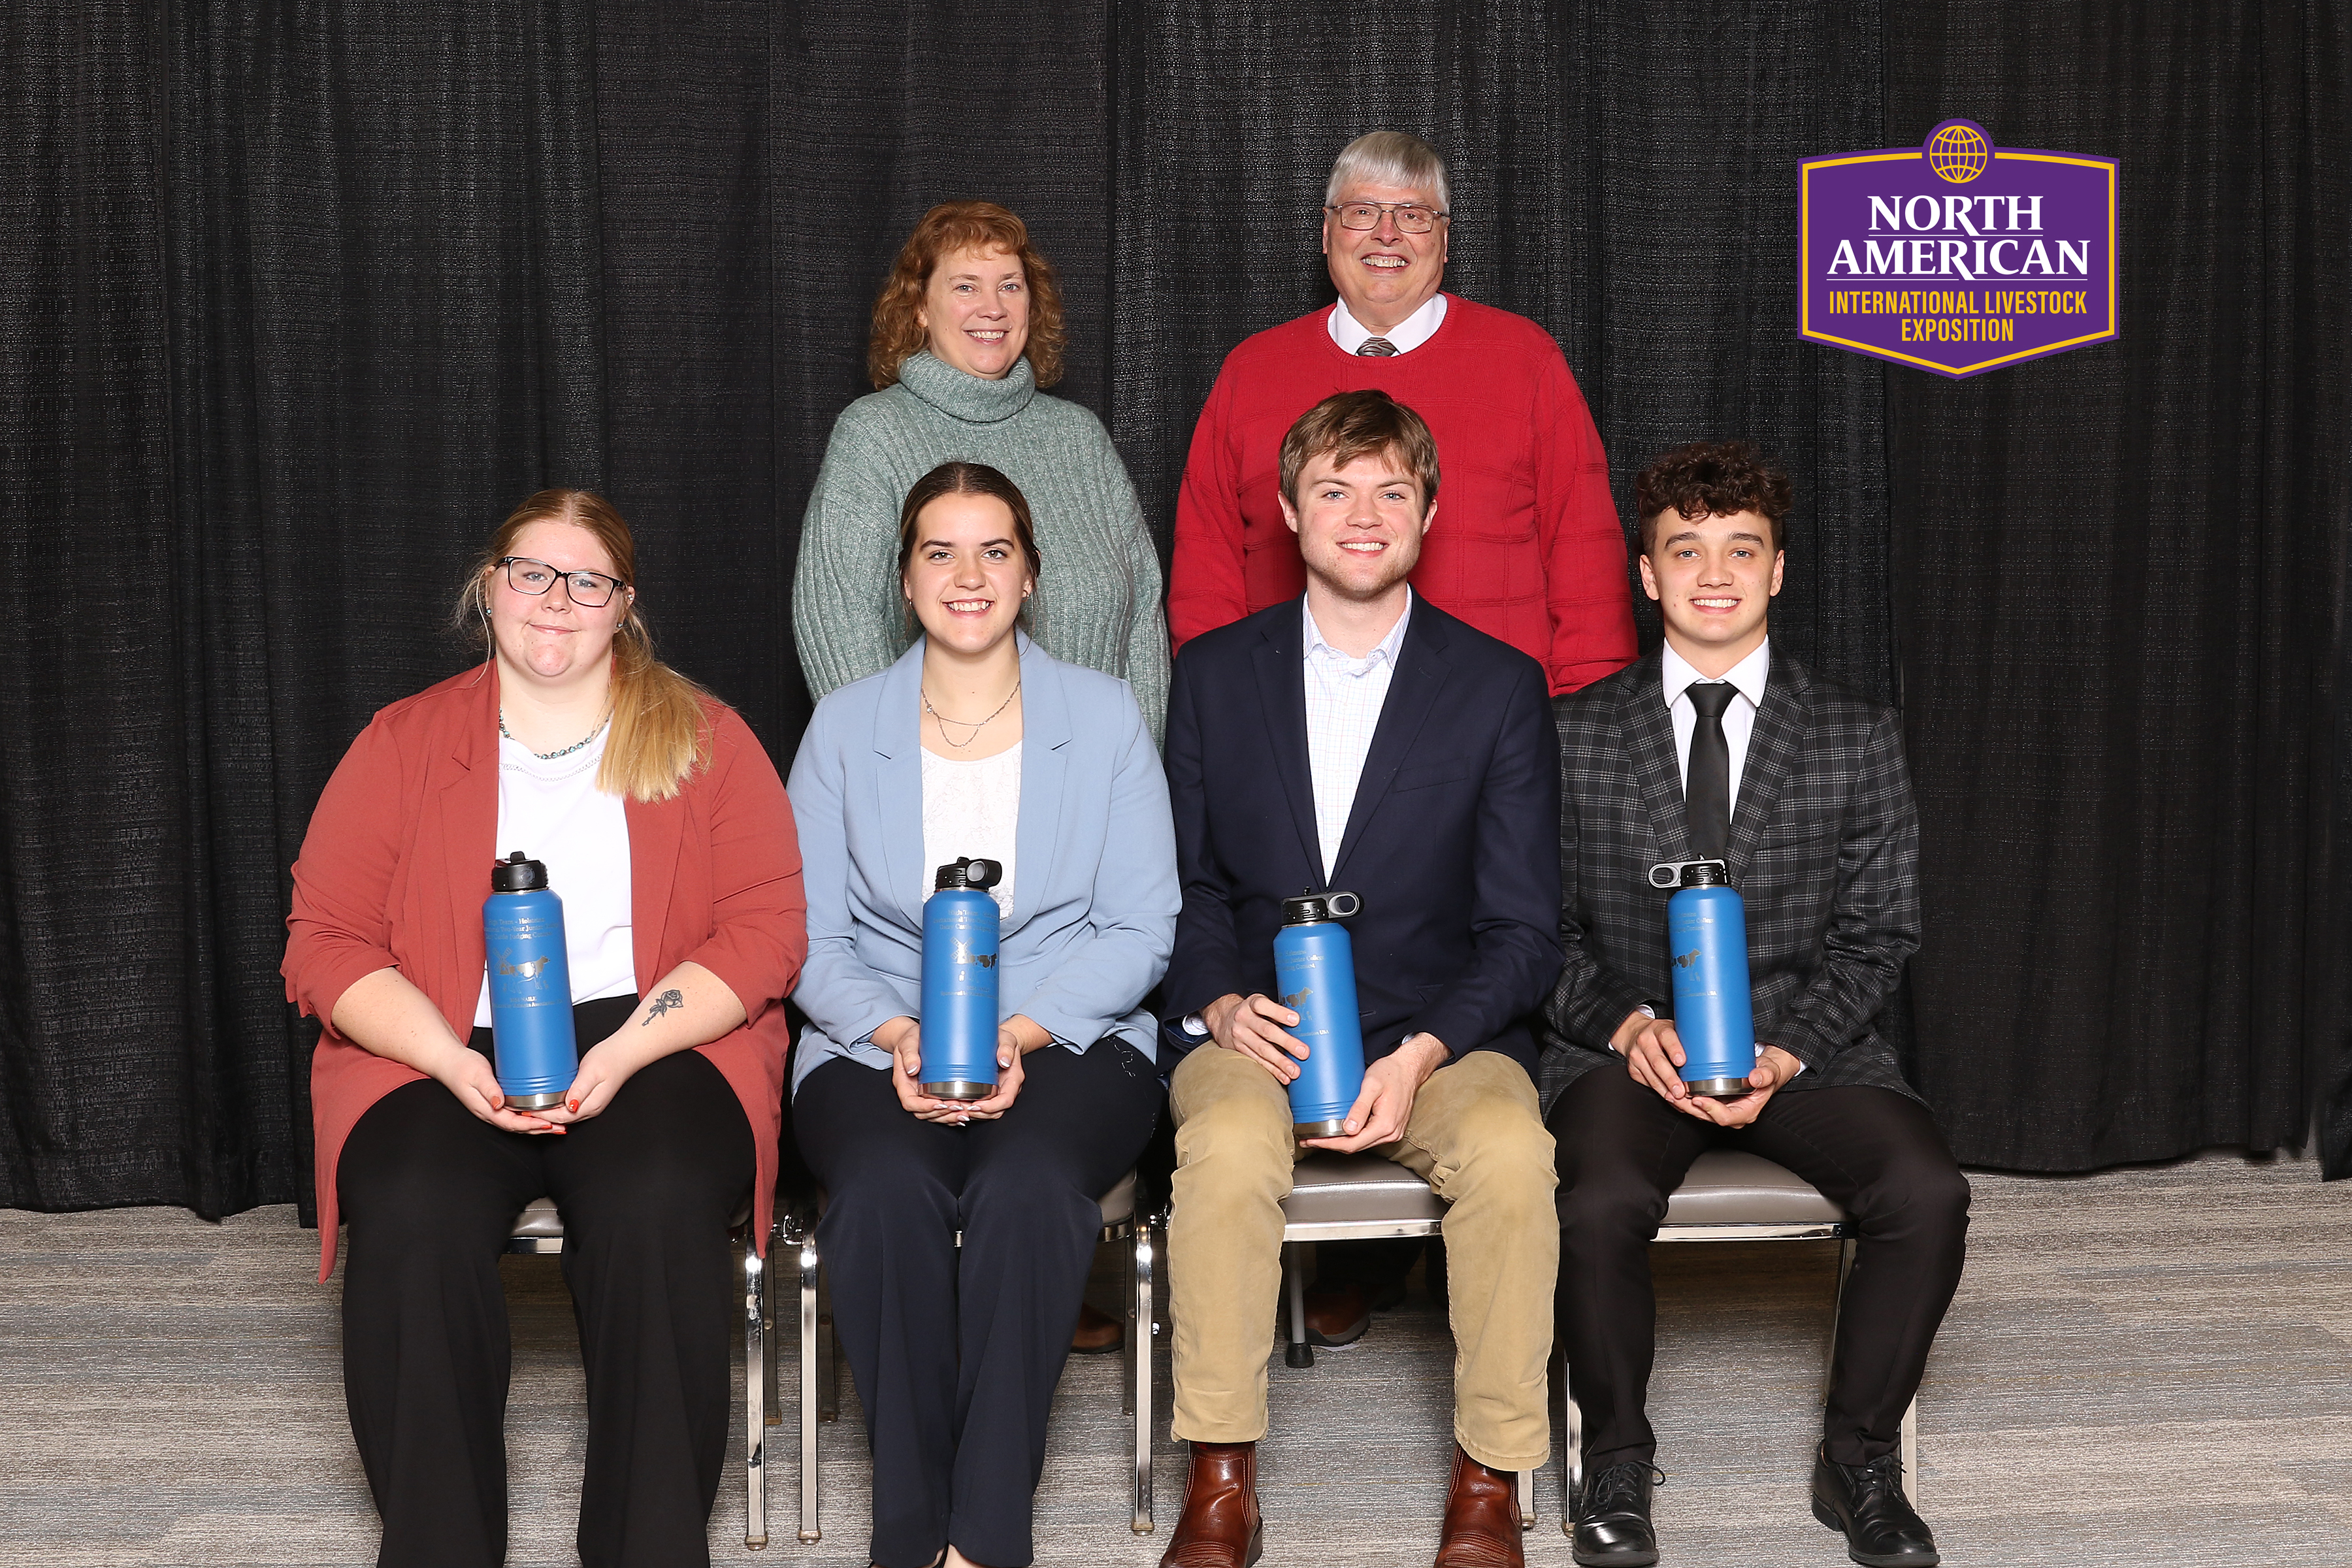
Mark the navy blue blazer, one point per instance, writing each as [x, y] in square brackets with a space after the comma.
[1452, 841]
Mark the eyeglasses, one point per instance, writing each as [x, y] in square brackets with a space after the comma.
[1411, 217]
[590, 590]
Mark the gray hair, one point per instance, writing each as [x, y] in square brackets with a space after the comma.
[1388, 158]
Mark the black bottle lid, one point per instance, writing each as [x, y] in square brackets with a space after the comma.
[978, 875]
[518, 873]
[1705, 874]
[1311, 907]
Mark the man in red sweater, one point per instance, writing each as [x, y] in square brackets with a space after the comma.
[1530, 550]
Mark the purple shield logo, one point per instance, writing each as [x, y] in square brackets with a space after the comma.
[1956, 256]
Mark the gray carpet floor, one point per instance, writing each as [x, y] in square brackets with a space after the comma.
[2144, 1366]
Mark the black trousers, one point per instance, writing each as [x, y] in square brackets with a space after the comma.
[645, 1189]
[956, 1353]
[1623, 1151]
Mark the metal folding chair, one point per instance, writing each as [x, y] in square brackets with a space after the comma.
[1357, 1197]
[820, 1367]
[1732, 1195]
[540, 1229]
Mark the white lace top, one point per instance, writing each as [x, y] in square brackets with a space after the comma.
[972, 809]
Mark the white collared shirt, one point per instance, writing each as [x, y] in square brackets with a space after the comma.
[1344, 697]
[1404, 337]
[1739, 715]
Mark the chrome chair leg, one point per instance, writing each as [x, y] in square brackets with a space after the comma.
[1127, 1343]
[1846, 1249]
[755, 1392]
[809, 1531]
[828, 1354]
[771, 1363]
[1572, 1473]
[1911, 1450]
[1526, 1501]
[1140, 1330]
[1294, 1282]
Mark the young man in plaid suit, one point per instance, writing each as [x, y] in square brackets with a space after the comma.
[1717, 746]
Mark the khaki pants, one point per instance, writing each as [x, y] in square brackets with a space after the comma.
[1475, 1136]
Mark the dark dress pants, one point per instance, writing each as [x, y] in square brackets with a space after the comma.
[956, 1353]
[1623, 1151]
[645, 1190]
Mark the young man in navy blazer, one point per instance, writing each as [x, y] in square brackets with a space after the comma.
[1361, 738]
[1719, 746]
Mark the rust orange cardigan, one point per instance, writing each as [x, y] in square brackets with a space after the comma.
[396, 863]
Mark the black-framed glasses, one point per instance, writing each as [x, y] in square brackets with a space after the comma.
[590, 590]
[1412, 217]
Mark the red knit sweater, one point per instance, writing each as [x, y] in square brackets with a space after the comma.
[1525, 544]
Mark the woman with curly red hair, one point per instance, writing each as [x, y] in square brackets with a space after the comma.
[966, 330]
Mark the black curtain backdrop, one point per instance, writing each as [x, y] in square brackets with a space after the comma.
[296, 303]
[2116, 595]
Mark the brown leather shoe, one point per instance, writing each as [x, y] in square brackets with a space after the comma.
[1482, 1518]
[1338, 1315]
[1097, 1333]
[1219, 1526]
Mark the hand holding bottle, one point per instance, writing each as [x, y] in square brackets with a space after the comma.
[903, 1039]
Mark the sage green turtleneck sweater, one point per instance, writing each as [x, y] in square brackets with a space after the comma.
[1097, 598]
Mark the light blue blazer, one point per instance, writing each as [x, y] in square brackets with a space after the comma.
[1093, 883]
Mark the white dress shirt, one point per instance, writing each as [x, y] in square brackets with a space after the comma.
[1739, 715]
[1404, 337]
[1344, 697]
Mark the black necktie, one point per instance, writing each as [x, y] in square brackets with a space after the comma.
[1707, 792]
[1377, 347]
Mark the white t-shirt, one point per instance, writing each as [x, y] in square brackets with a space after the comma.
[553, 811]
[972, 809]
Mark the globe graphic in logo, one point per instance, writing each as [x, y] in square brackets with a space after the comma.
[1958, 153]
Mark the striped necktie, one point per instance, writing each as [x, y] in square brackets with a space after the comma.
[1377, 348]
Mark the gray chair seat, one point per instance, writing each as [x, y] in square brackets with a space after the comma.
[1728, 1186]
[539, 1222]
[1357, 1195]
[1118, 1204]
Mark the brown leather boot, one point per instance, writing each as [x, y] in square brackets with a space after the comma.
[1097, 1333]
[1219, 1526]
[1482, 1518]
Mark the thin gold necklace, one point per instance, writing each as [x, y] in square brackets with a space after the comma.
[965, 743]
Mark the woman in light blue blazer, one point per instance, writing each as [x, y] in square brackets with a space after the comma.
[975, 743]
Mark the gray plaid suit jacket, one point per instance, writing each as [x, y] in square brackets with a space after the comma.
[1824, 850]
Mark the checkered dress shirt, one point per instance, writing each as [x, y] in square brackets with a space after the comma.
[1344, 696]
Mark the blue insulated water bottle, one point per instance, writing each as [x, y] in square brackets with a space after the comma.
[1707, 935]
[1315, 976]
[531, 985]
[959, 1018]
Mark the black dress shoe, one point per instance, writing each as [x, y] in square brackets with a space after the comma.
[1613, 1517]
[1865, 1503]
